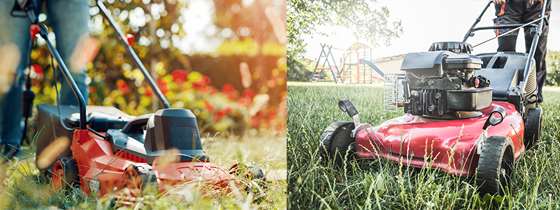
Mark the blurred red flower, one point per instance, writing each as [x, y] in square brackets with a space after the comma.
[227, 88]
[202, 85]
[209, 107]
[38, 70]
[179, 75]
[248, 93]
[229, 91]
[162, 86]
[123, 86]
[148, 92]
[219, 115]
[92, 90]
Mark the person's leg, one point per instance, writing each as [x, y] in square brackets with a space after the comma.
[507, 43]
[13, 31]
[69, 19]
[540, 53]
[508, 13]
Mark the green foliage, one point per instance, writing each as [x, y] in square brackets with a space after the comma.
[221, 103]
[298, 70]
[367, 22]
[553, 68]
[382, 184]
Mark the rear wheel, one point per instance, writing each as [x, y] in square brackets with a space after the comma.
[64, 174]
[256, 178]
[532, 127]
[337, 143]
[495, 165]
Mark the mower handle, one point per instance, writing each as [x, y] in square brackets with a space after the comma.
[29, 9]
[133, 54]
[504, 26]
[537, 24]
[533, 48]
[43, 32]
[469, 33]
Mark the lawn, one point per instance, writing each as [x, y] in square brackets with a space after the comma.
[20, 187]
[380, 184]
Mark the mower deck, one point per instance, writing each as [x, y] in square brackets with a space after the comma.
[448, 145]
[102, 169]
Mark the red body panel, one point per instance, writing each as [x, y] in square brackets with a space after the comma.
[99, 165]
[449, 145]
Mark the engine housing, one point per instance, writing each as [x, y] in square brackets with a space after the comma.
[442, 84]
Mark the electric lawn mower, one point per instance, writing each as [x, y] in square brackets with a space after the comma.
[466, 115]
[109, 149]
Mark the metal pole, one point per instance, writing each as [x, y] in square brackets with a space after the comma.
[319, 59]
[468, 34]
[330, 66]
[67, 76]
[132, 53]
[508, 32]
[533, 49]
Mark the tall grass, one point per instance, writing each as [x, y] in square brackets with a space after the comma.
[21, 187]
[380, 184]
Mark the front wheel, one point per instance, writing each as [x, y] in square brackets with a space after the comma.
[255, 177]
[64, 174]
[532, 127]
[495, 165]
[337, 143]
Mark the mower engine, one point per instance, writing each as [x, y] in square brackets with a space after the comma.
[442, 84]
[173, 129]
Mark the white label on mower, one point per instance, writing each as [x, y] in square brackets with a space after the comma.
[94, 186]
[480, 141]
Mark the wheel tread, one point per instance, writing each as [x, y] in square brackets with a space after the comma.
[489, 163]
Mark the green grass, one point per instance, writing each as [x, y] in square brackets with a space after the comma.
[21, 188]
[380, 184]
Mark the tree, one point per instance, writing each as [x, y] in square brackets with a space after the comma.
[159, 29]
[368, 22]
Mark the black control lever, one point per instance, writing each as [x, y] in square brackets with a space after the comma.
[21, 8]
[346, 106]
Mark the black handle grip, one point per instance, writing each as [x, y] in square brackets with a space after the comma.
[346, 106]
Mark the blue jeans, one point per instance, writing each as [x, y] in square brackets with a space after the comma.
[69, 21]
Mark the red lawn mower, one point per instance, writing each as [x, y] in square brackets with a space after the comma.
[109, 149]
[466, 115]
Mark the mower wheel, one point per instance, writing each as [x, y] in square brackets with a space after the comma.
[532, 127]
[256, 179]
[64, 174]
[495, 165]
[337, 142]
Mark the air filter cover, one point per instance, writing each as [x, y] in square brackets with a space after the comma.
[456, 47]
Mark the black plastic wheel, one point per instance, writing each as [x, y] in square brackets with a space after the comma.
[67, 170]
[495, 165]
[257, 179]
[256, 173]
[337, 142]
[532, 127]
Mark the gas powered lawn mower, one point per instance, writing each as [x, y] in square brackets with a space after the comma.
[467, 115]
[109, 149]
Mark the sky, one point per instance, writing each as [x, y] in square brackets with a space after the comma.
[427, 21]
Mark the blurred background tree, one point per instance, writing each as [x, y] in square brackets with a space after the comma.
[553, 68]
[368, 23]
[224, 59]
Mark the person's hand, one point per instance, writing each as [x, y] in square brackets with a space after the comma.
[500, 2]
[531, 2]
